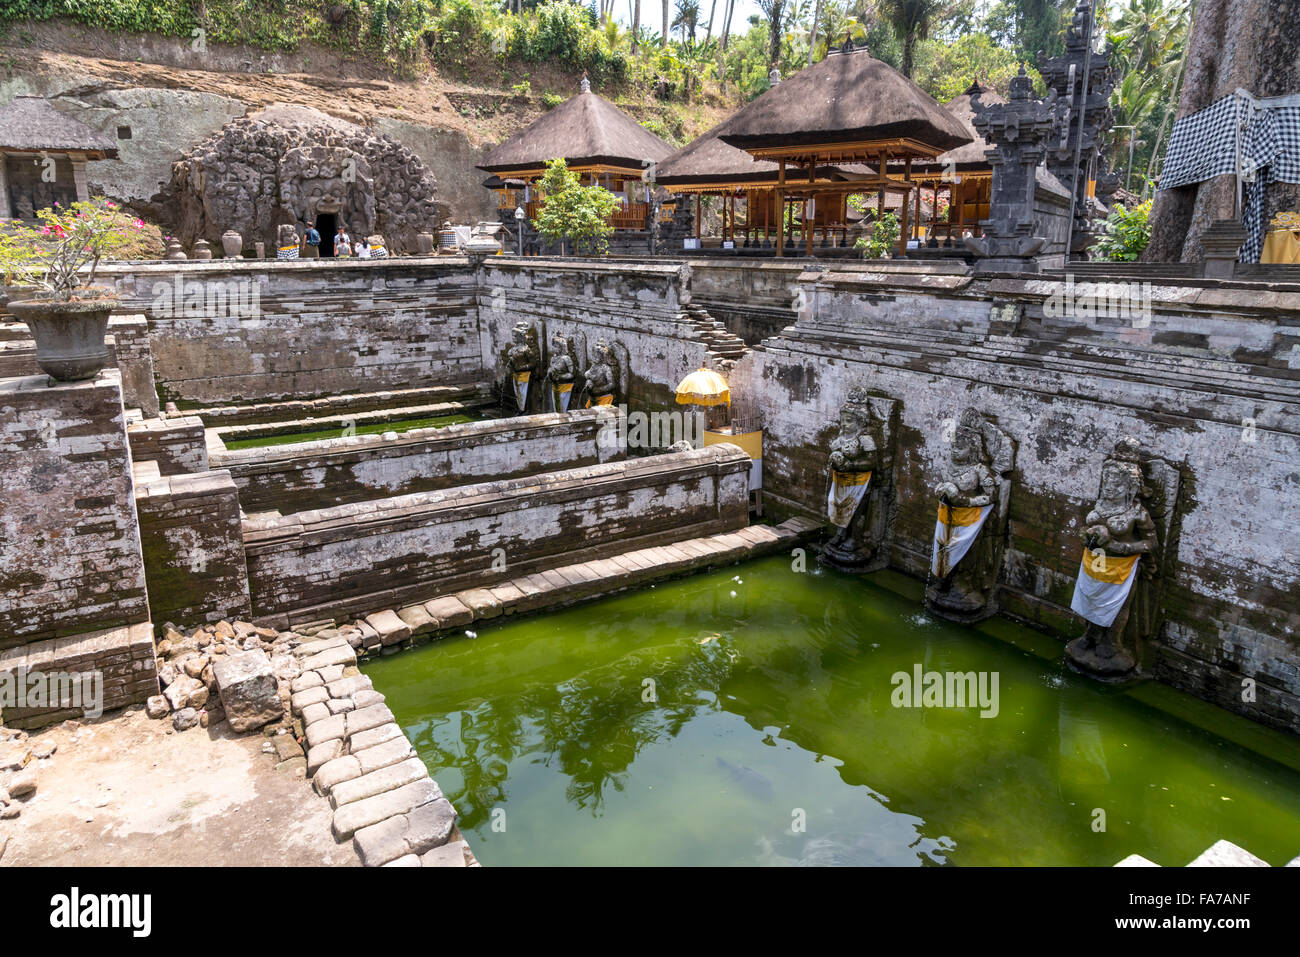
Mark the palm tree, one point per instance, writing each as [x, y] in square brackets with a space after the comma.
[665, 33]
[812, 34]
[688, 15]
[708, 30]
[636, 22]
[911, 21]
[774, 11]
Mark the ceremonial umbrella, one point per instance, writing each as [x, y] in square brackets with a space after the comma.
[703, 387]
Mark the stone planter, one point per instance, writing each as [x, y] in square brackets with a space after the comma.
[69, 335]
[174, 251]
[260, 249]
[201, 249]
[10, 294]
[232, 244]
[424, 242]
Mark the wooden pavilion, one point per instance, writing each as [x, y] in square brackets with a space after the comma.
[43, 156]
[596, 139]
[849, 110]
[964, 174]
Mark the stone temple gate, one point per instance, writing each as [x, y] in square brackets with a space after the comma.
[292, 164]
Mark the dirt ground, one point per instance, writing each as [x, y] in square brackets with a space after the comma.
[129, 791]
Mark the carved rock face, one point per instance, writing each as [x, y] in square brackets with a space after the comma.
[257, 173]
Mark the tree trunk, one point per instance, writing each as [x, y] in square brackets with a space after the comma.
[726, 23]
[812, 38]
[636, 22]
[708, 31]
[774, 34]
[1253, 44]
[665, 35]
[909, 53]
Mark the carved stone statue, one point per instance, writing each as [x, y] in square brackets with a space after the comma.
[560, 372]
[1117, 592]
[854, 459]
[286, 242]
[523, 360]
[602, 383]
[970, 529]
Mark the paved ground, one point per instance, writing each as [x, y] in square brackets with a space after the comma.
[129, 791]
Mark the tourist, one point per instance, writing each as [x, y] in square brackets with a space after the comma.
[363, 251]
[342, 243]
[311, 242]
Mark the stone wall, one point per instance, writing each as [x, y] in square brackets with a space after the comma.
[298, 330]
[755, 298]
[1207, 380]
[388, 553]
[193, 547]
[70, 556]
[176, 444]
[310, 475]
[637, 305]
[123, 658]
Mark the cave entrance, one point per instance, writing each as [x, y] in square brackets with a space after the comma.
[327, 225]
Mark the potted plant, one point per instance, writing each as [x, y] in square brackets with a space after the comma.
[67, 314]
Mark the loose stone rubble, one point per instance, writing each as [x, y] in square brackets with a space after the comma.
[20, 760]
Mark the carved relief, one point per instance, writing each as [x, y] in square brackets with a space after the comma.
[523, 359]
[561, 371]
[970, 528]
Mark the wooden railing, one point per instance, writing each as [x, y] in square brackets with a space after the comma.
[633, 216]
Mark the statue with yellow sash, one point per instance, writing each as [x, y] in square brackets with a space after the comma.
[1116, 592]
[560, 373]
[523, 359]
[970, 527]
[855, 457]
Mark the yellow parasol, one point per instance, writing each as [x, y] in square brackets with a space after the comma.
[703, 387]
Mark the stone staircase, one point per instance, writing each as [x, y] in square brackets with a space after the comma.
[724, 346]
[1218, 854]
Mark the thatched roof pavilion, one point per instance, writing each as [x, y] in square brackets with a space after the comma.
[587, 131]
[33, 135]
[596, 140]
[848, 109]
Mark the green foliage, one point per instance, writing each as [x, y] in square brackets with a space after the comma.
[1126, 233]
[947, 69]
[574, 213]
[883, 240]
[551, 100]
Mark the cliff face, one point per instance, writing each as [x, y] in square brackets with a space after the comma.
[161, 106]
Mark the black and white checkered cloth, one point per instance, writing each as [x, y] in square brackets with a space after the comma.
[1204, 145]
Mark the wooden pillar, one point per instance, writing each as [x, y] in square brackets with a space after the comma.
[698, 204]
[916, 228]
[904, 225]
[780, 210]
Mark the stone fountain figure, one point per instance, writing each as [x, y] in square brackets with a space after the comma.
[854, 503]
[560, 372]
[1118, 589]
[523, 360]
[970, 529]
[601, 378]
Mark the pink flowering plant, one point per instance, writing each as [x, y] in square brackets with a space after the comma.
[54, 255]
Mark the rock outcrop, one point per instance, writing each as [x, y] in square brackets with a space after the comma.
[292, 164]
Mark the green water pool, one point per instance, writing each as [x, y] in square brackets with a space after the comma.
[772, 738]
[377, 428]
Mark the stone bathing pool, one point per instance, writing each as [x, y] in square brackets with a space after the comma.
[771, 707]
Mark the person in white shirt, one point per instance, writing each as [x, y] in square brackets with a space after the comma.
[342, 243]
[363, 251]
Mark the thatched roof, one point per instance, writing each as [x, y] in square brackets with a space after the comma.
[971, 155]
[709, 160]
[847, 97]
[585, 129]
[32, 123]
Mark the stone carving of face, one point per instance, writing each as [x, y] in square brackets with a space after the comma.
[1120, 482]
[967, 449]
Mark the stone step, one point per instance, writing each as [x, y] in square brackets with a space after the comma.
[1219, 854]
